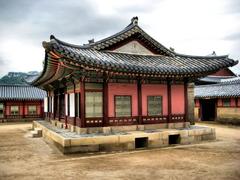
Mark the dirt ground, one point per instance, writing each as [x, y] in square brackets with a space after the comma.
[22, 157]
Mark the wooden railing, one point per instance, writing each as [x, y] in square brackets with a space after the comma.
[21, 116]
[121, 121]
[116, 121]
[94, 122]
[154, 119]
[177, 118]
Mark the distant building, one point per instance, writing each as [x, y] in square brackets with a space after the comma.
[219, 76]
[21, 103]
[220, 102]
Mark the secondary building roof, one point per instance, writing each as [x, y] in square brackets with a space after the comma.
[21, 92]
[63, 58]
[224, 89]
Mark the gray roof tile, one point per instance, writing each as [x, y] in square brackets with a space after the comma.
[21, 92]
[224, 89]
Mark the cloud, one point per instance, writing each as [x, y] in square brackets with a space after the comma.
[38, 19]
[232, 7]
[3, 67]
[26, 23]
[233, 37]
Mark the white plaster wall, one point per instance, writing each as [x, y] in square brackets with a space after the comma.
[52, 100]
[72, 104]
[66, 104]
[46, 104]
[133, 47]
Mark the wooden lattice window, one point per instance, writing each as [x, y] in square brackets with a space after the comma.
[154, 105]
[123, 106]
[1, 110]
[226, 102]
[14, 110]
[32, 110]
[94, 104]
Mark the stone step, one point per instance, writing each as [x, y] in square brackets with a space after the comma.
[34, 134]
[39, 131]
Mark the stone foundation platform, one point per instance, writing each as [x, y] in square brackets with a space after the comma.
[121, 140]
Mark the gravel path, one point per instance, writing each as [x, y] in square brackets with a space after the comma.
[22, 157]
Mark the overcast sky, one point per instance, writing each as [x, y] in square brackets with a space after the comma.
[195, 27]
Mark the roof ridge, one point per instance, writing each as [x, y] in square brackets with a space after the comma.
[27, 85]
[199, 56]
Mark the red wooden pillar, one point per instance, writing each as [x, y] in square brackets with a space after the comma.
[82, 94]
[105, 101]
[186, 100]
[169, 92]
[23, 106]
[139, 89]
[58, 104]
[66, 101]
[4, 110]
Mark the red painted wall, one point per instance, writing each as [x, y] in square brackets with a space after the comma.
[154, 90]
[232, 102]
[197, 103]
[23, 107]
[219, 103]
[122, 89]
[177, 99]
[223, 72]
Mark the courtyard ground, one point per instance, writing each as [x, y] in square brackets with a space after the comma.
[22, 157]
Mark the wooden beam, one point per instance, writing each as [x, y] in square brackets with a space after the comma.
[169, 93]
[139, 89]
[105, 101]
[82, 94]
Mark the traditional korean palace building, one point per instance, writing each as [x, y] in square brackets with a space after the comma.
[21, 103]
[220, 102]
[125, 79]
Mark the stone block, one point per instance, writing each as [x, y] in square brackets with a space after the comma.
[154, 136]
[81, 149]
[107, 130]
[171, 125]
[197, 138]
[183, 133]
[116, 129]
[80, 130]
[186, 140]
[155, 143]
[140, 127]
[187, 124]
[155, 126]
[164, 135]
[94, 130]
[126, 138]
[179, 125]
[72, 128]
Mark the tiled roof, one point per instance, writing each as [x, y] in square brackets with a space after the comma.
[99, 57]
[224, 89]
[149, 64]
[131, 30]
[215, 79]
[21, 92]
